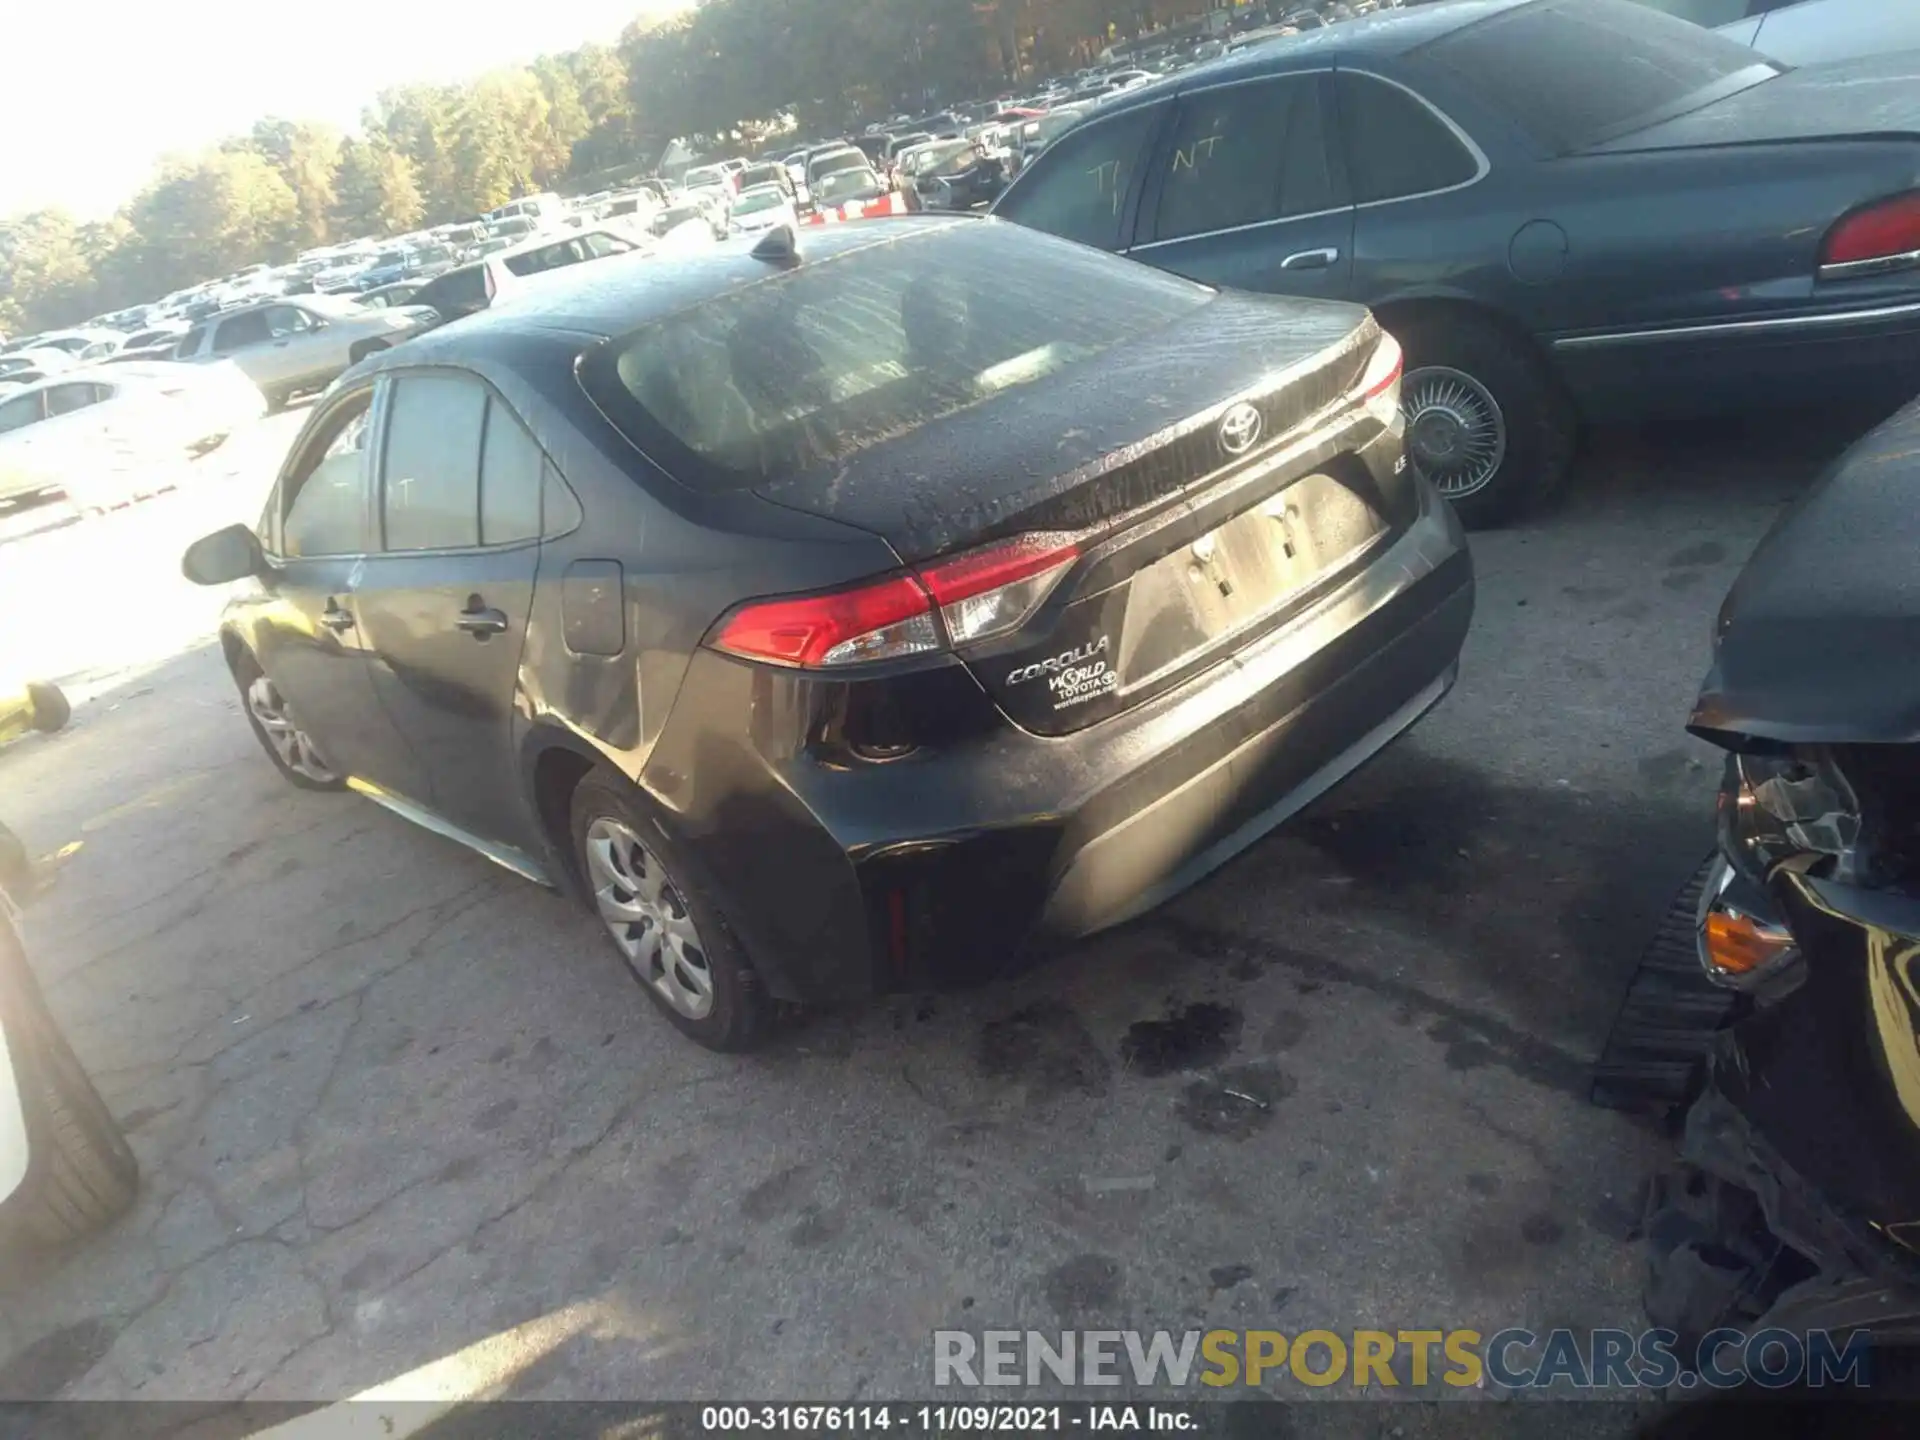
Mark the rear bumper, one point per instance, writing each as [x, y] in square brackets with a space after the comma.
[1867, 352]
[941, 867]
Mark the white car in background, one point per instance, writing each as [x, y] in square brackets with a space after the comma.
[761, 208]
[25, 367]
[78, 345]
[65, 1167]
[104, 434]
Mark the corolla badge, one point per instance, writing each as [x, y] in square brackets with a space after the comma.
[1239, 429]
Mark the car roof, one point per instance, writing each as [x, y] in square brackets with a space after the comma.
[1383, 33]
[621, 292]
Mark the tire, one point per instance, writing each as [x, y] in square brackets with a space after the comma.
[740, 1012]
[276, 400]
[364, 349]
[83, 1173]
[1469, 361]
[51, 711]
[247, 671]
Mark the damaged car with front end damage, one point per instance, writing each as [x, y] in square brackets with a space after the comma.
[1779, 1008]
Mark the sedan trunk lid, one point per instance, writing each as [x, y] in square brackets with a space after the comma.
[1875, 97]
[1193, 477]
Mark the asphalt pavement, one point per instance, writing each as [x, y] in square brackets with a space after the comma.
[403, 1118]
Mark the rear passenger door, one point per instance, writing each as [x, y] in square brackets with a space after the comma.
[1247, 190]
[443, 605]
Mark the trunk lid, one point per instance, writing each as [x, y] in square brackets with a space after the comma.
[1194, 536]
[1875, 97]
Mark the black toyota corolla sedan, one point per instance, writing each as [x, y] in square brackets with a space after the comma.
[845, 615]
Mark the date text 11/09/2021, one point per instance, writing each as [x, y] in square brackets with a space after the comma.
[948, 1419]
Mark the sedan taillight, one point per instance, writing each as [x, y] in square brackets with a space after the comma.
[1878, 238]
[976, 596]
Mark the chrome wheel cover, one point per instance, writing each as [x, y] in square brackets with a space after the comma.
[648, 918]
[1456, 435]
[292, 744]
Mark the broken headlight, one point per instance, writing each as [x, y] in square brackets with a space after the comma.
[1776, 807]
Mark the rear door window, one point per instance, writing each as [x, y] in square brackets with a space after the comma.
[1396, 145]
[65, 399]
[285, 320]
[1078, 187]
[240, 332]
[430, 470]
[1242, 154]
[20, 412]
[511, 466]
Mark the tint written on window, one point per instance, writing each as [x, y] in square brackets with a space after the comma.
[1573, 73]
[1396, 145]
[430, 473]
[1078, 186]
[1241, 154]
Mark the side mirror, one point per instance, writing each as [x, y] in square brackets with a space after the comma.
[224, 556]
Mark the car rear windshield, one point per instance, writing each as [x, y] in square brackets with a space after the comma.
[815, 363]
[1574, 73]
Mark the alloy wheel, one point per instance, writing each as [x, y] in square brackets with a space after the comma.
[1456, 433]
[648, 918]
[292, 744]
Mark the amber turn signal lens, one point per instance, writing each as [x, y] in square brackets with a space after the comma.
[1738, 945]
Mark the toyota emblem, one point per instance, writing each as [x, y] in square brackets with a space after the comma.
[1239, 429]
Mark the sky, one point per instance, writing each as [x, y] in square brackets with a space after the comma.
[112, 87]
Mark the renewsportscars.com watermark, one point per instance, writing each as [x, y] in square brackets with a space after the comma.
[1512, 1359]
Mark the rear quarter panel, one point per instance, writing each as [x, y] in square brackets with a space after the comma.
[1697, 236]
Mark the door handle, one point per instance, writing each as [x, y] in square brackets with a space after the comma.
[478, 620]
[336, 619]
[1310, 259]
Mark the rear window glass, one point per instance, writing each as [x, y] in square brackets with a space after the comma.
[1576, 72]
[810, 366]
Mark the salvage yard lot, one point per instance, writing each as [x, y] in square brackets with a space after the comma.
[392, 1102]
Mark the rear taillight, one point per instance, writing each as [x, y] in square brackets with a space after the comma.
[1881, 237]
[976, 596]
[991, 591]
[881, 621]
[1380, 385]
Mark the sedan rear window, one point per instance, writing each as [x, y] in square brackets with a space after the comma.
[811, 365]
[1574, 73]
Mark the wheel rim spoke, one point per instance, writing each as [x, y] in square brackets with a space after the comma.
[292, 744]
[647, 917]
[1450, 407]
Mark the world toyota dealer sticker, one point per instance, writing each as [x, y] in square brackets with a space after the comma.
[1073, 676]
